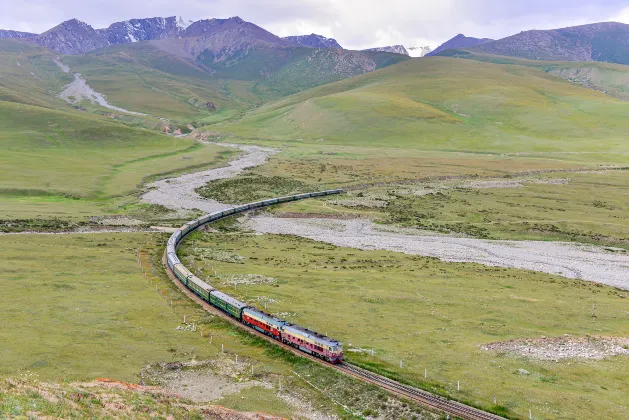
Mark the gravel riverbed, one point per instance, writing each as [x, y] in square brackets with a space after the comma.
[570, 260]
[565, 259]
[179, 193]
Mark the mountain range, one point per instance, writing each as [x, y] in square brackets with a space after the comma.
[603, 42]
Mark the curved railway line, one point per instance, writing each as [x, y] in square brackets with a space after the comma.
[422, 397]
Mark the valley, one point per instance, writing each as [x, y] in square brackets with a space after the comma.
[479, 250]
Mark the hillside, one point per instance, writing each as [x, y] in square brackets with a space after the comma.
[609, 78]
[443, 104]
[607, 42]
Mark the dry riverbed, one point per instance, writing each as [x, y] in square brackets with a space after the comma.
[591, 263]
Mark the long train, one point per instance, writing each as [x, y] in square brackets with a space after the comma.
[301, 338]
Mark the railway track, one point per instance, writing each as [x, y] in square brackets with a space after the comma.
[425, 398]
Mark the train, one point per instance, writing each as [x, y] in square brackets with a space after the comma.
[301, 338]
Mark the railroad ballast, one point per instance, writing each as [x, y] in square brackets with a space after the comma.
[301, 338]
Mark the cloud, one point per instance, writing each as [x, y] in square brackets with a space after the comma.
[354, 23]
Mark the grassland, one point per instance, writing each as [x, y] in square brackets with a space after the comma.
[434, 316]
[67, 164]
[449, 105]
[84, 309]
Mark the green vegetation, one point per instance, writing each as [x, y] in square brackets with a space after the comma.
[609, 78]
[436, 316]
[448, 105]
[252, 188]
[65, 164]
[77, 307]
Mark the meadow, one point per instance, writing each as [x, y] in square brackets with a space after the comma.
[84, 308]
[432, 317]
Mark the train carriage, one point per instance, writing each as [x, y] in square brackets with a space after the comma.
[227, 303]
[200, 287]
[313, 343]
[172, 259]
[182, 273]
[263, 322]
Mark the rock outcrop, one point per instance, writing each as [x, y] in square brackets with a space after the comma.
[314, 41]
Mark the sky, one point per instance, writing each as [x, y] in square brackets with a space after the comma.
[355, 24]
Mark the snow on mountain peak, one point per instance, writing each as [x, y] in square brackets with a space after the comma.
[182, 24]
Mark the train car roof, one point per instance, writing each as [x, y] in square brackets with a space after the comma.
[201, 283]
[182, 268]
[312, 334]
[228, 299]
[265, 315]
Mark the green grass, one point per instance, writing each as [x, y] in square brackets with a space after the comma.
[67, 164]
[252, 188]
[257, 399]
[609, 78]
[448, 105]
[434, 316]
[590, 208]
[77, 307]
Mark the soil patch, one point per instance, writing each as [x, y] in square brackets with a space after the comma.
[566, 347]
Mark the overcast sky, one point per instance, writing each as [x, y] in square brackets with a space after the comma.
[356, 24]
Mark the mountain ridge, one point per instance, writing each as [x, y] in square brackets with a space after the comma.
[314, 41]
[604, 41]
[459, 41]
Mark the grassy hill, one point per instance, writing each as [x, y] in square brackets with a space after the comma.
[609, 78]
[28, 75]
[449, 105]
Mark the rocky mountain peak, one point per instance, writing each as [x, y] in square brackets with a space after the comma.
[72, 37]
[313, 41]
[460, 41]
[135, 30]
[398, 49]
[605, 41]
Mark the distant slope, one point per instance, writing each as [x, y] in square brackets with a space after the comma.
[609, 78]
[29, 76]
[459, 41]
[447, 104]
[607, 42]
[4, 34]
[314, 41]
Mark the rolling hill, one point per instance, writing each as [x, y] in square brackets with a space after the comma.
[444, 104]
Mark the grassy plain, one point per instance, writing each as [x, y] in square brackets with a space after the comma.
[77, 307]
[435, 316]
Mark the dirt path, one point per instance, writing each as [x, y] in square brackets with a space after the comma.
[565, 259]
[179, 193]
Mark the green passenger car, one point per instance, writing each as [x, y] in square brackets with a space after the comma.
[227, 303]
